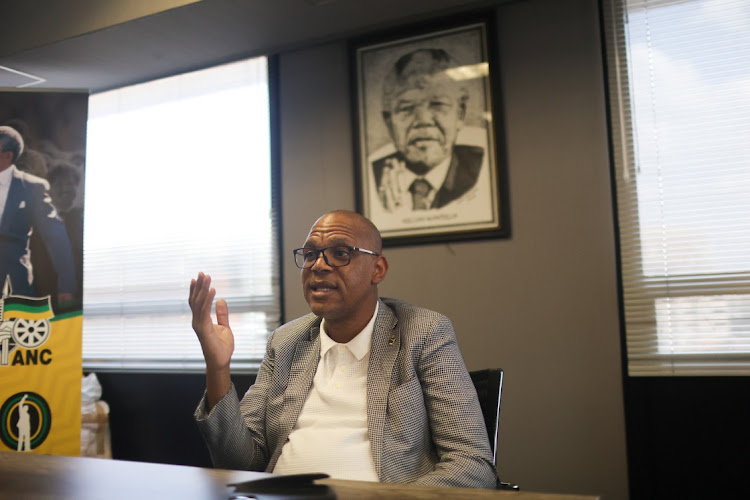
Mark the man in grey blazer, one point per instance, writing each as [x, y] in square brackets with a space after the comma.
[414, 419]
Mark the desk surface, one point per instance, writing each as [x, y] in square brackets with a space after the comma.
[27, 475]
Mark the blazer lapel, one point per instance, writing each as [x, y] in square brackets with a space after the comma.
[466, 163]
[386, 341]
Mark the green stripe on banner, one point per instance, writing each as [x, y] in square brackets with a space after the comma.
[67, 315]
[26, 309]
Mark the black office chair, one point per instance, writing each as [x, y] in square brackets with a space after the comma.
[489, 386]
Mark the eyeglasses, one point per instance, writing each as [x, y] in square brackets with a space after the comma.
[339, 256]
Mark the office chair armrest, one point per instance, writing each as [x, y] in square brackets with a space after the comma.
[507, 486]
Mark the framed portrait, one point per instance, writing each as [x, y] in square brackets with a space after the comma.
[430, 156]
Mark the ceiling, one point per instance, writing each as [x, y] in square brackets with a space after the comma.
[89, 46]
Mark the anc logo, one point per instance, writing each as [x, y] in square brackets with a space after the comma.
[25, 418]
[24, 321]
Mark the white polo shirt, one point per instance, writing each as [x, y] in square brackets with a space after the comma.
[330, 435]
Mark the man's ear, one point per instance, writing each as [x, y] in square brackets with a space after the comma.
[380, 270]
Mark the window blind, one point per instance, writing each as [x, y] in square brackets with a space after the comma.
[178, 180]
[679, 81]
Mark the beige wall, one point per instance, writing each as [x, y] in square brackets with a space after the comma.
[543, 304]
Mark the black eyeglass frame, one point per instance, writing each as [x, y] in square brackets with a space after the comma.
[322, 251]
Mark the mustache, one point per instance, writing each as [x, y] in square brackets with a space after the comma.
[424, 132]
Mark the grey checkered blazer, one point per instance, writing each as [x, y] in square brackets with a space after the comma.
[423, 417]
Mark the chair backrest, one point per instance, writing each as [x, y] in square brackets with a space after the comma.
[489, 386]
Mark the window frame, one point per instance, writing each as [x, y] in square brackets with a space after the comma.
[239, 305]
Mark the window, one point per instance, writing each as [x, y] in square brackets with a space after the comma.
[178, 180]
[680, 105]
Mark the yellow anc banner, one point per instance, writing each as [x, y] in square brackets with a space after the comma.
[42, 163]
[40, 366]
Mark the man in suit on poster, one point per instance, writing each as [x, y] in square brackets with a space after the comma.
[362, 388]
[26, 207]
[424, 110]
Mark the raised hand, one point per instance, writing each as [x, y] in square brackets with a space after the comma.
[216, 339]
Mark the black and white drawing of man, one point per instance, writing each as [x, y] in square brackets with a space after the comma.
[424, 110]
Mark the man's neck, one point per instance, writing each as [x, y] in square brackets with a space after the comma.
[344, 331]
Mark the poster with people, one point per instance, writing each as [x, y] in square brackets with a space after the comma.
[42, 152]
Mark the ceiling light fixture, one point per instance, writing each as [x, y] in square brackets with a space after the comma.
[35, 80]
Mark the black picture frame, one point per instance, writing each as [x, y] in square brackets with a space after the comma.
[427, 103]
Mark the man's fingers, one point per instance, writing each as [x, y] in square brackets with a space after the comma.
[196, 285]
[193, 284]
[207, 301]
[222, 313]
[199, 288]
[200, 300]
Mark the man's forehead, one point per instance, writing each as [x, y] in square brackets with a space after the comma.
[336, 232]
[330, 238]
[422, 87]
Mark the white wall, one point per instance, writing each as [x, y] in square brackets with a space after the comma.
[543, 304]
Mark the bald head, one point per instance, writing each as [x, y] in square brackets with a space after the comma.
[361, 224]
[343, 291]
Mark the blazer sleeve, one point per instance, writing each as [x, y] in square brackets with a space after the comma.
[455, 417]
[52, 230]
[235, 433]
